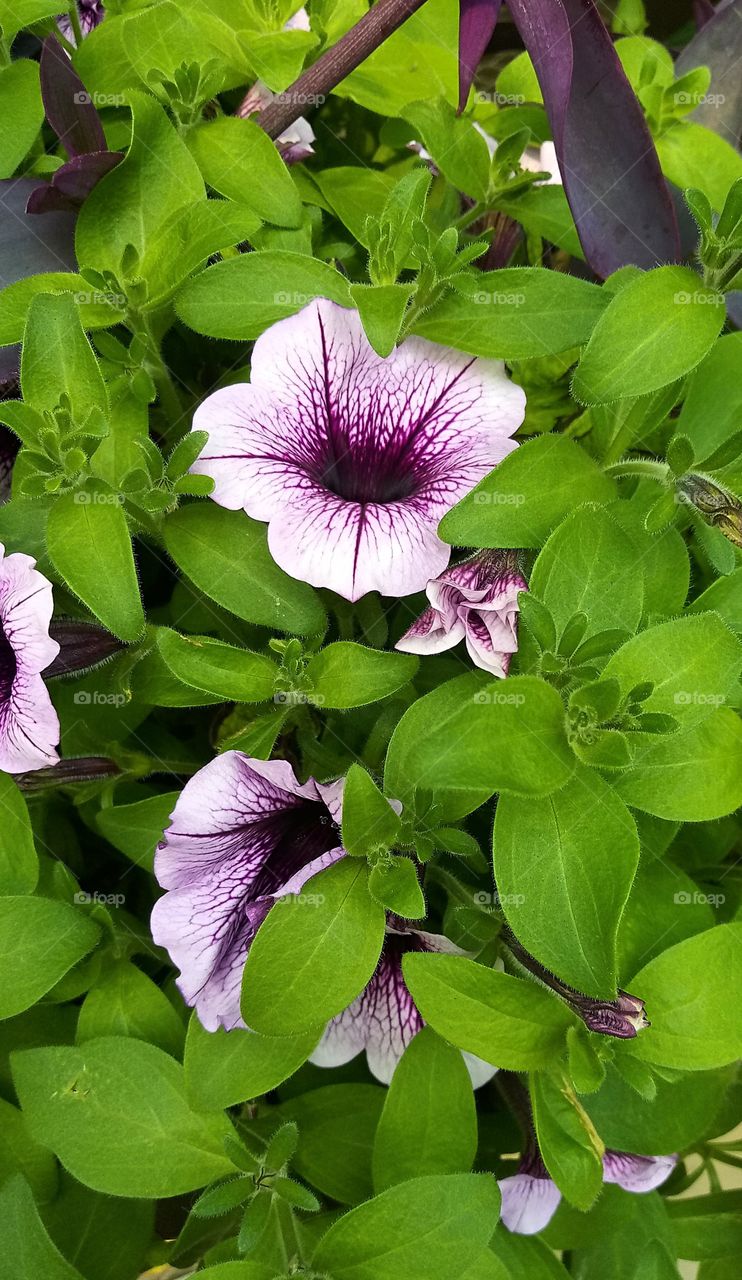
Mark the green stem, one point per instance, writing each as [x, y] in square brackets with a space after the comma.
[75, 24]
[166, 389]
[645, 467]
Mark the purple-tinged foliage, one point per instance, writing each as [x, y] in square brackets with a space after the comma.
[351, 458]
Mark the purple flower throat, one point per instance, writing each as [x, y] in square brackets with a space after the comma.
[8, 667]
[293, 837]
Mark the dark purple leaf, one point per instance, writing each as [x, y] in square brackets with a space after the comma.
[612, 176]
[717, 46]
[24, 251]
[71, 184]
[67, 102]
[477, 21]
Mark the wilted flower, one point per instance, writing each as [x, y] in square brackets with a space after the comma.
[29, 727]
[243, 833]
[475, 601]
[720, 508]
[383, 1019]
[352, 458]
[91, 13]
[530, 1198]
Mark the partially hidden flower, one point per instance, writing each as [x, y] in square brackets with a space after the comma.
[29, 726]
[295, 143]
[243, 833]
[475, 601]
[383, 1019]
[353, 458]
[530, 1198]
[91, 14]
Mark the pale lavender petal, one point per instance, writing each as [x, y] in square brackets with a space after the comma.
[429, 634]
[243, 833]
[299, 21]
[353, 459]
[528, 1203]
[90, 12]
[637, 1173]
[29, 726]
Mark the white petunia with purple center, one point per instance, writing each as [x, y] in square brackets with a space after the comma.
[383, 1019]
[352, 459]
[243, 833]
[29, 726]
[475, 601]
[90, 12]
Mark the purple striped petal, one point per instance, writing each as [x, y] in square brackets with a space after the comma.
[29, 726]
[637, 1173]
[91, 13]
[477, 22]
[476, 600]
[243, 833]
[384, 1017]
[612, 176]
[352, 458]
[529, 1202]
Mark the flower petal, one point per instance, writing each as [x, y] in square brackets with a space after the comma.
[430, 634]
[637, 1173]
[528, 1203]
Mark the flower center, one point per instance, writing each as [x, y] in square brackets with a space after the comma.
[7, 667]
[366, 474]
[295, 836]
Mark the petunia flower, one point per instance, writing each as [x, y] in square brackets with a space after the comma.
[475, 601]
[530, 1198]
[353, 458]
[383, 1019]
[91, 14]
[29, 727]
[243, 833]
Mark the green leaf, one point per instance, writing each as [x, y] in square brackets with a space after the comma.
[97, 310]
[28, 1253]
[678, 1115]
[90, 547]
[125, 1002]
[471, 737]
[58, 359]
[724, 596]
[236, 675]
[505, 1020]
[695, 1025]
[106, 1237]
[314, 953]
[588, 566]
[243, 296]
[19, 1154]
[430, 1228]
[429, 1121]
[707, 1227]
[394, 883]
[337, 1124]
[19, 864]
[693, 663]
[190, 236]
[712, 408]
[350, 675]
[688, 777]
[21, 113]
[226, 554]
[527, 495]
[157, 177]
[382, 309]
[238, 159]
[571, 1149]
[40, 940]
[515, 314]
[135, 829]
[369, 821]
[223, 1068]
[655, 330]
[564, 867]
[115, 1113]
